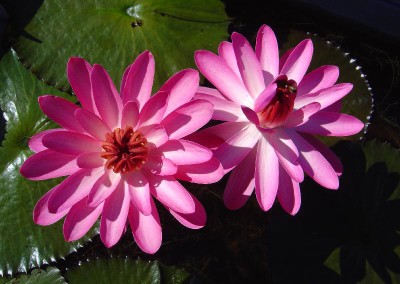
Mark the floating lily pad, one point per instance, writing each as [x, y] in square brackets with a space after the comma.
[37, 276]
[359, 101]
[114, 32]
[125, 271]
[23, 244]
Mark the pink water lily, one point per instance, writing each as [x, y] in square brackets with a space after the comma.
[121, 150]
[271, 109]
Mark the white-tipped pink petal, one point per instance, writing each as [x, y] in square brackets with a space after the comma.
[204, 173]
[73, 189]
[106, 97]
[160, 166]
[222, 77]
[139, 191]
[181, 88]
[114, 216]
[92, 124]
[287, 154]
[41, 214]
[146, 229]
[153, 110]
[324, 97]
[157, 136]
[171, 193]
[302, 115]
[103, 188]
[137, 83]
[267, 53]
[130, 115]
[48, 164]
[90, 160]
[184, 152]
[241, 182]
[331, 124]
[236, 148]
[35, 142]
[266, 174]
[288, 193]
[265, 97]
[314, 163]
[329, 155]
[318, 79]
[79, 220]
[71, 143]
[195, 220]
[226, 52]
[78, 71]
[224, 110]
[187, 118]
[60, 111]
[249, 66]
[298, 61]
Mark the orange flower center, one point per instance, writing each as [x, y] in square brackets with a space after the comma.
[125, 150]
[281, 105]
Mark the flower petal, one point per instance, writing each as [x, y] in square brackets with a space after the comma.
[204, 173]
[138, 82]
[48, 164]
[106, 97]
[331, 124]
[78, 71]
[324, 97]
[251, 115]
[73, 189]
[71, 143]
[187, 118]
[298, 61]
[284, 58]
[146, 229]
[171, 193]
[92, 124]
[236, 148]
[318, 79]
[80, 219]
[241, 182]
[288, 193]
[249, 66]
[160, 166]
[153, 110]
[184, 152]
[114, 216]
[226, 52]
[36, 143]
[266, 174]
[139, 191]
[302, 115]
[103, 188]
[60, 111]
[195, 220]
[267, 53]
[90, 160]
[265, 97]
[130, 115]
[222, 77]
[181, 88]
[41, 214]
[314, 163]
[157, 136]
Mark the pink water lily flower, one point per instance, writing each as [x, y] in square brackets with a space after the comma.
[121, 150]
[272, 108]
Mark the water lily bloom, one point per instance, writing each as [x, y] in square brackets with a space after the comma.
[272, 109]
[119, 151]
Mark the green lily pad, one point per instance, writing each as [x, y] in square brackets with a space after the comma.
[124, 271]
[114, 32]
[359, 101]
[23, 244]
[38, 276]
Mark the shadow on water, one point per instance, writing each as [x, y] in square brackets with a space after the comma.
[335, 234]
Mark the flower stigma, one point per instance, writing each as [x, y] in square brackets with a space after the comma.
[281, 105]
[125, 150]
